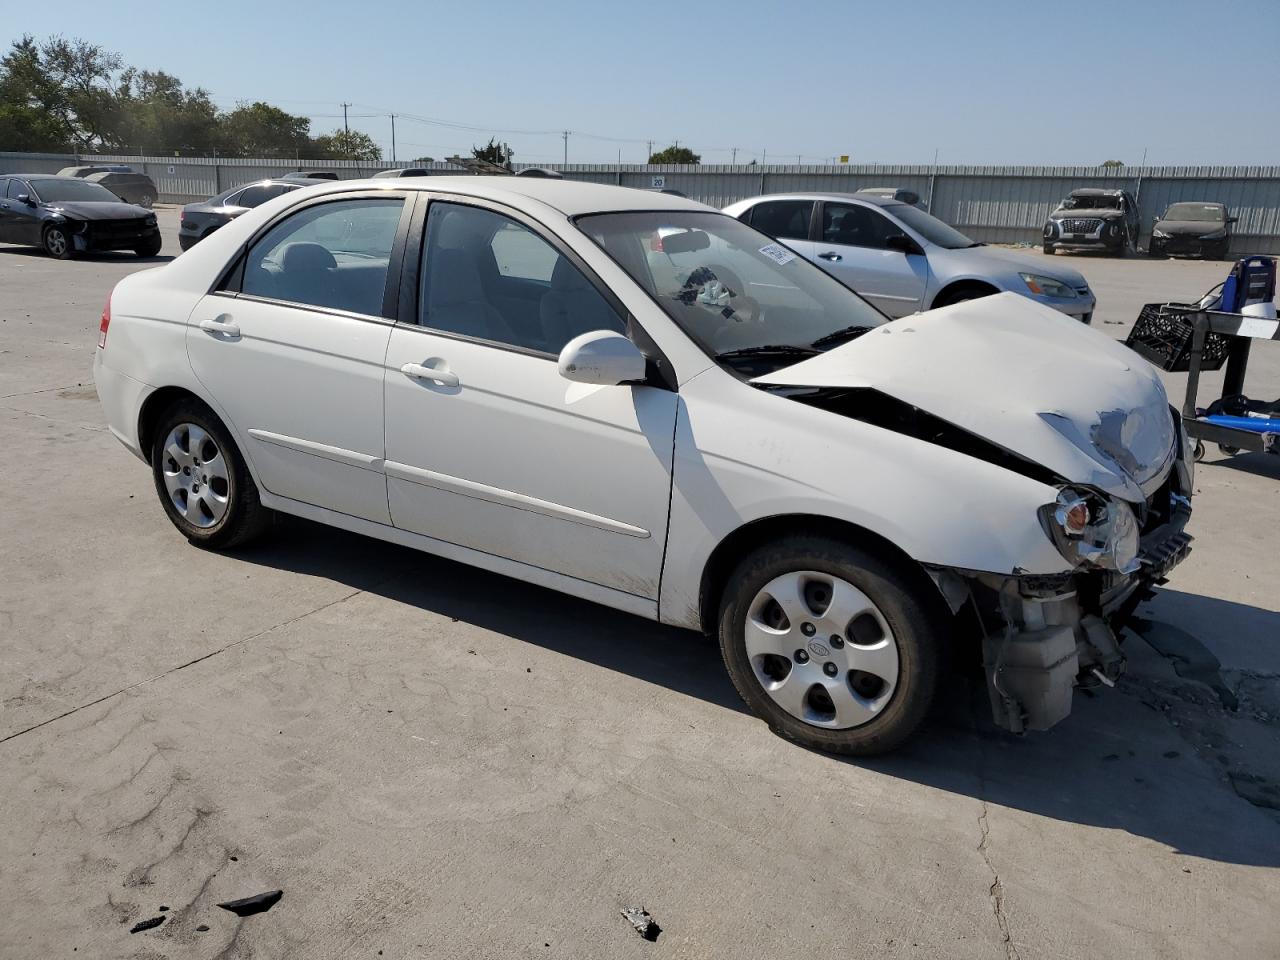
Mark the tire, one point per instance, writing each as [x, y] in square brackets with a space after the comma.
[960, 294]
[149, 249]
[147, 200]
[214, 509]
[56, 242]
[1048, 249]
[879, 688]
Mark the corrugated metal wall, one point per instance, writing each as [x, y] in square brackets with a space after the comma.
[997, 204]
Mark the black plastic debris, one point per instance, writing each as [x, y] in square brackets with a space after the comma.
[258, 903]
[146, 924]
[645, 925]
[203, 928]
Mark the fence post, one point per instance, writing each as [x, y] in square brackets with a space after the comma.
[217, 176]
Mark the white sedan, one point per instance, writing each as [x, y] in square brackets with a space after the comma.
[495, 370]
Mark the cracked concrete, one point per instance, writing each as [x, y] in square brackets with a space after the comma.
[435, 762]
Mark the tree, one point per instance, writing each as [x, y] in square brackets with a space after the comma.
[675, 154]
[259, 129]
[32, 109]
[155, 113]
[1112, 164]
[494, 152]
[346, 145]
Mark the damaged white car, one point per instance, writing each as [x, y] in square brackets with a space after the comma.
[634, 399]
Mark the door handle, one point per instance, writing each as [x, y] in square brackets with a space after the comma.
[833, 257]
[220, 327]
[441, 375]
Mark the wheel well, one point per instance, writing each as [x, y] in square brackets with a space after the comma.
[730, 551]
[153, 407]
[957, 287]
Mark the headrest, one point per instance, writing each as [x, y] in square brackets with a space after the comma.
[566, 277]
[304, 257]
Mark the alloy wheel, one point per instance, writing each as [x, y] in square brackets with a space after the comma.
[196, 475]
[56, 242]
[821, 649]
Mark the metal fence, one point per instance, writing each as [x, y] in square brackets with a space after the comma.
[992, 203]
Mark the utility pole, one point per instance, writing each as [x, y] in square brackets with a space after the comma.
[566, 145]
[650, 153]
[393, 138]
[735, 156]
[764, 157]
[345, 127]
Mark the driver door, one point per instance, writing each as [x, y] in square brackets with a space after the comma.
[487, 446]
[852, 249]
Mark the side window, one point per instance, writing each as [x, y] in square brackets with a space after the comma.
[487, 276]
[332, 255]
[856, 226]
[257, 194]
[16, 187]
[783, 219]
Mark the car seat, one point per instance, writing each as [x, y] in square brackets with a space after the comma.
[572, 306]
[455, 300]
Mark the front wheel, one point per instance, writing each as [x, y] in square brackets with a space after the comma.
[202, 481]
[150, 248]
[147, 200]
[831, 645]
[1048, 249]
[57, 242]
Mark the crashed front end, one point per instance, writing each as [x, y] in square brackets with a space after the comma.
[1044, 635]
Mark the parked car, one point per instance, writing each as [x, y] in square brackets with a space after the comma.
[129, 186]
[198, 220]
[403, 172]
[902, 259]
[310, 175]
[485, 368]
[892, 193]
[1194, 228]
[1093, 219]
[65, 216]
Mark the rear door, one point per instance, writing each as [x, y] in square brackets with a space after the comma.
[291, 349]
[788, 221]
[852, 248]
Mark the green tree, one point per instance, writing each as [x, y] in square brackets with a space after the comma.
[494, 152]
[1112, 164]
[155, 114]
[675, 154]
[261, 130]
[33, 112]
[346, 145]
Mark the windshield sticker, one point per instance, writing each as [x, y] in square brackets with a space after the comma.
[777, 253]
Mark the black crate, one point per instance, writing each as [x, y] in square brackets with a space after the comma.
[1163, 335]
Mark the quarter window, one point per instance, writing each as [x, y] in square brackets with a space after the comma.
[490, 277]
[332, 255]
[783, 219]
[259, 194]
[856, 226]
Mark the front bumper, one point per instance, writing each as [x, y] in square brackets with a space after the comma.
[102, 235]
[1176, 246]
[1102, 238]
[1080, 307]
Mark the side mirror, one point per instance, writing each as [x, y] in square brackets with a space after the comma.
[902, 243]
[1232, 219]
[26, 198]
[603, 358]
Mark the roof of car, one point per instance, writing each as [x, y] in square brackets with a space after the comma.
[38, 176]
[1095, 192]
[570, 197]
[871, 198]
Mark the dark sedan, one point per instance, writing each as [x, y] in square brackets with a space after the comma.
[65, 216]
[1197, 228]
[201, 219]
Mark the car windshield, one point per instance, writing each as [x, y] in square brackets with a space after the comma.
[931, 228]
[1091, 203]
[63, 191]
[1196, 211]
[746, 300]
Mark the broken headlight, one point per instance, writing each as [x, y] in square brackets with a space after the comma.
[1089, 528]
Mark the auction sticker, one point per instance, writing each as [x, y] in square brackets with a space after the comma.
[777, 253]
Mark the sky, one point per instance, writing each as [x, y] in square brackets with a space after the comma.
[977, 81]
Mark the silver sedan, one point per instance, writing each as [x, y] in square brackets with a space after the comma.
[902, 259]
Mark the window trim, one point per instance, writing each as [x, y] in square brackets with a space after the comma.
[410, 286]
[230, 281]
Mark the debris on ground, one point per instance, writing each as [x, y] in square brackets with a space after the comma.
[146, 924]
[258, 903]
[203, 928]
[645, 925]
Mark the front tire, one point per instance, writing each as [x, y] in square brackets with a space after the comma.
[150, 248]
[202, 480]
[1048, 249]
[833, 646]
[56, 241]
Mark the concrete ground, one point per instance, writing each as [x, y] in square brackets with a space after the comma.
[435, 762]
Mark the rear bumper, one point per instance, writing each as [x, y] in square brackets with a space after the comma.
[121, 397]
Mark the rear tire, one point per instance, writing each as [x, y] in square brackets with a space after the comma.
[202, 481]
[857, 687]
[56, 241]
[147, 200]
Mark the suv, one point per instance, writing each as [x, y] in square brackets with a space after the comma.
[1093, 219]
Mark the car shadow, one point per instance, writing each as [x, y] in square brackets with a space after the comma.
[1258, 464]
[1108, 766]
[98, 256]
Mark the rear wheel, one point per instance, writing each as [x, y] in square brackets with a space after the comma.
[202, 480]
[831, 645]
[56, 241]
[147, 200]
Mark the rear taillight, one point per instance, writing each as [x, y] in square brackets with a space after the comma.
[102, 326]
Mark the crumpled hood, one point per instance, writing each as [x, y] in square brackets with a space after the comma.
[99, 210]
[1189, 228]
[1022, 376]
[1104, 214]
